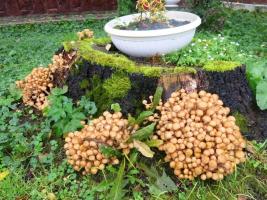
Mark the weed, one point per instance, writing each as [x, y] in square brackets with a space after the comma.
[63, 116]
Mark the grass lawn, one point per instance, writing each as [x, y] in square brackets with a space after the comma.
[34, 157]
[24, 47]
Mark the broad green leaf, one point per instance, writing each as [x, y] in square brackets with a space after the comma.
[68, 107]
[91, 108]
[144, 133]
[160, 183]
[116, 192]
[78, 116]
[58, 128]
[165, 183]
[156, 191]
[103, 186]
[15, 92]
[134, 156]
[116, 107]
[143, 115]
[109, 151]
[154, 143]
[59, 91]
[55, 114]
[73, 125]
[143, 149]
[157, 97]
[261, 94]
[150, 172]
[88, 106]
[131, 120]
[256, 73]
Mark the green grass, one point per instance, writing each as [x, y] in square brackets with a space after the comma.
[24, 47]
[248, 181]
[249, 29]
[243, 39]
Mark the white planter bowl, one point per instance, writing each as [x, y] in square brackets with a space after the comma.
[172, 2]
[147, 43]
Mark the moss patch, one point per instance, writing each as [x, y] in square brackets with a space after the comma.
[69, 45]
[118, 61]
[117, 86]
[123, 63]
[98, 94]
[221, 66]
[84, 84]
[101, 41]
[241, 121]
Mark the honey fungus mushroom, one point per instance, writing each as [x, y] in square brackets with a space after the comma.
[200, 138]
[38, 84]
[83, 147]
[86, 33]
[35, 87]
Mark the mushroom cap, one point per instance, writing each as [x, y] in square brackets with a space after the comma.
[199, 138]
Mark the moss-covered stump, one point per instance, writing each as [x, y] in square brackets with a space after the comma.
[109, 77]
[233, 89]
[106, 86]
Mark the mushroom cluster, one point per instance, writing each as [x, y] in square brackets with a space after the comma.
[200, 138]
[86, 33]
[83, 148]
[37, 85]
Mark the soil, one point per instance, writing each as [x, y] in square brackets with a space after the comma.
[146, 24]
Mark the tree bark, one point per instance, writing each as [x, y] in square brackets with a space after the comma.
[231, 86]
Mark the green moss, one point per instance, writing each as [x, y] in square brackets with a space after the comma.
[241, 121]
[122, 63]
[117, 86]
[67, 46]
[221, 66]
[98, 94]
[118, 61]
[101, 41]
[75, 44]
[84, 84]
[181, 69]
[106, 92]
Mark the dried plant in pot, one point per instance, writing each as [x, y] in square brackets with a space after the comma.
[152, 31]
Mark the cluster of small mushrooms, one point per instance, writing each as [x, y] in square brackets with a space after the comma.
[200, 139]
[38, 84]
[86, 33]
[83, 148]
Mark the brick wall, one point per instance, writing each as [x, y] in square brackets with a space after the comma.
[26, 7]
[250, 1]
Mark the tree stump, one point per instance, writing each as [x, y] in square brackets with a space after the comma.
[109, 78]
[231, 86]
